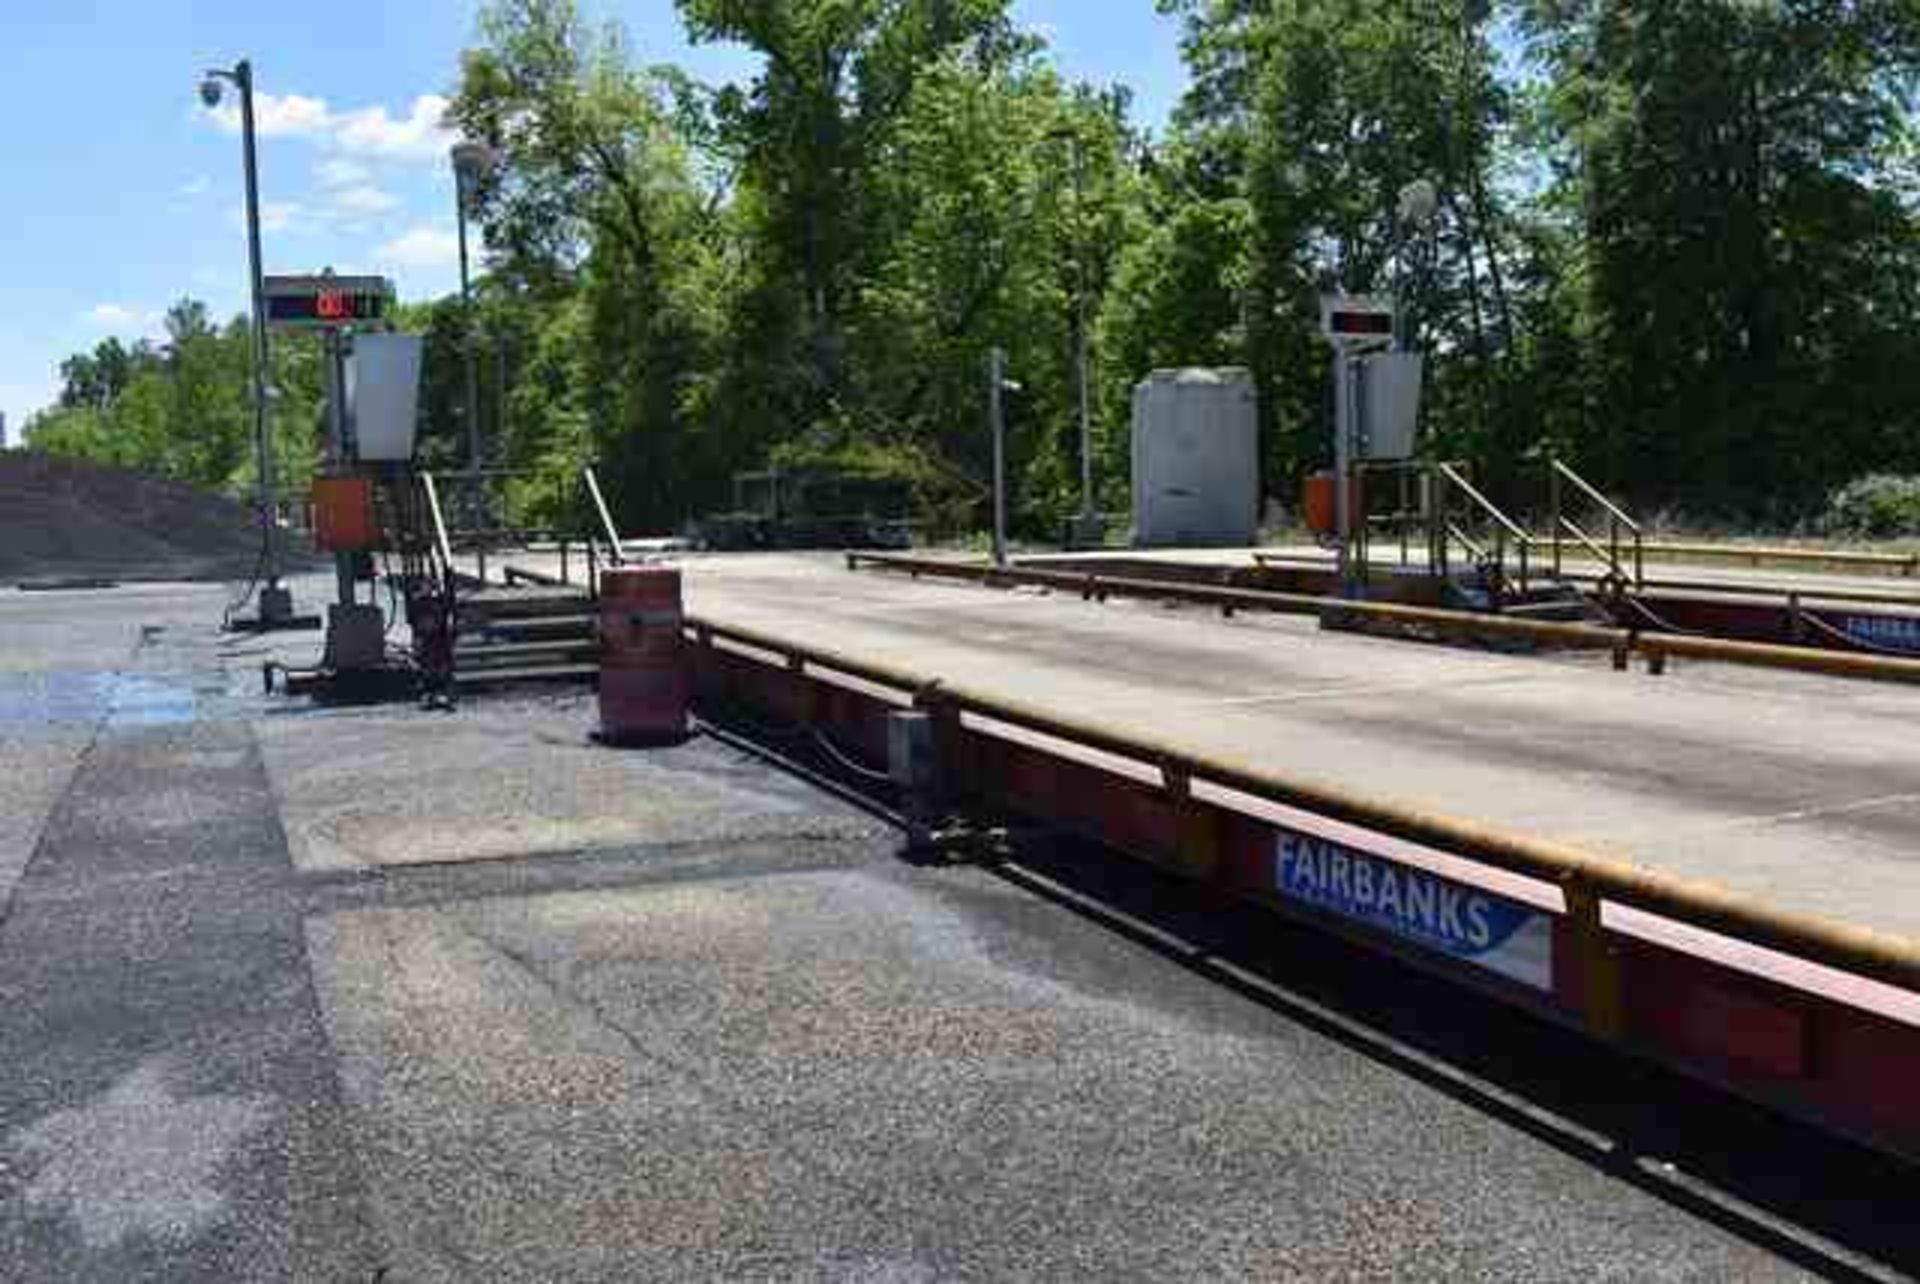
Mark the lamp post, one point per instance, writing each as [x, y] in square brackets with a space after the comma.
[998, 386]
[275, 603]
[472, 162]
[1082, 353]
[1417, 206]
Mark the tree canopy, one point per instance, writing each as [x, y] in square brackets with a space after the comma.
[1675, 241]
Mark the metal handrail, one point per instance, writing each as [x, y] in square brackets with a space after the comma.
[614, 555]
[1617, 520]
[440, 659]
[1592, 545]
[1613, 510]
[1505, 528]
[1479, 551]
[1883, 957]
[1485, 505]
[441, 541]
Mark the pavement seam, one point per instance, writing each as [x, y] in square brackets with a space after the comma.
[67, 800]
[440, 883]
[311, 1012]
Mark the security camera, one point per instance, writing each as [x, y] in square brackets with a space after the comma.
[210, 92]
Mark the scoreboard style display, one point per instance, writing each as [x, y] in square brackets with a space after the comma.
[1346, 319]
[326, 301]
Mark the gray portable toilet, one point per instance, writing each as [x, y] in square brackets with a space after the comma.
[1196, 458]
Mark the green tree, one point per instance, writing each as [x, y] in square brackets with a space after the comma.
[1316, 115]
[594, 197]
[1737, 182]
[838, 77]
[96, 379]
[183, 408]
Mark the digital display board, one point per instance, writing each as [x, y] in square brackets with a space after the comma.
[320, 302]
[1356, 318]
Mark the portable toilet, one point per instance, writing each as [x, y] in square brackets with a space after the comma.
[1196, 458]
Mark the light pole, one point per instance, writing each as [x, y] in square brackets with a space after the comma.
[276, 604]
[472, 162]
[1082, 353]
[998, 386]
[1416, 207]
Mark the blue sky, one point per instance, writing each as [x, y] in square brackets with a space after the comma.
[118, 194]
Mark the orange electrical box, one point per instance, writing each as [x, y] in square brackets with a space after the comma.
[1319, 501]
[343, 519]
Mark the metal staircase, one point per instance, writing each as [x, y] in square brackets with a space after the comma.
[1488, 561]
[1623, 551]
[510, 634]
[472, 631]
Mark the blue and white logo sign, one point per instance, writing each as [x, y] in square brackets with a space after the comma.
[1434, 913]
[1892, 632]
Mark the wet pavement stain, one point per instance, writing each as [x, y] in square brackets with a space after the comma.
[138, 1160]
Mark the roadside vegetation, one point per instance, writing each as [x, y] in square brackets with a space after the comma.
[1676, 243]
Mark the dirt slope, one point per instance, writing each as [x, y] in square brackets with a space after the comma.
[68, 517]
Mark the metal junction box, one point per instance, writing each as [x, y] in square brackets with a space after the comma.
[383, 395]
[344, 520]
[1389, 405]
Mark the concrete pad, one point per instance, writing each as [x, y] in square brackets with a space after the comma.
[500, 778]
[907, 1075]
[1800, 790]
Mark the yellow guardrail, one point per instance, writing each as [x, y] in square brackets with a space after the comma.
[1901, 564]
[1581, 875]
[1655, 647]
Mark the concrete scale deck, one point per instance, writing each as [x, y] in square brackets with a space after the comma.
[1800, 790]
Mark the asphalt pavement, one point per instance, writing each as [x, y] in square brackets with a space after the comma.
[290, 993]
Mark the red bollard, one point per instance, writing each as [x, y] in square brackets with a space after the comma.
[645, 683]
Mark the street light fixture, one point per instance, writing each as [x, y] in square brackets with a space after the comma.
[472, 163]
[276, 603]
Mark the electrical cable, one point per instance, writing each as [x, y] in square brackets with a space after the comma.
[1661, 623]
[1803, 616]
[253, 582]
[393, 598]
[834, 752]
[804, 735]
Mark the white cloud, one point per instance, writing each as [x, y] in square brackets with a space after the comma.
[117, 316]
[420, 136]
[338, 171]
[361, 131]
[353, 201]
[195, 186]
[427, 245]
[274, 116]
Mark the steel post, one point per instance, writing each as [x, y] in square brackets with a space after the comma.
[339, 444]
[472, 397]
[262, 441]
[1343, 411]
[997, 425]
